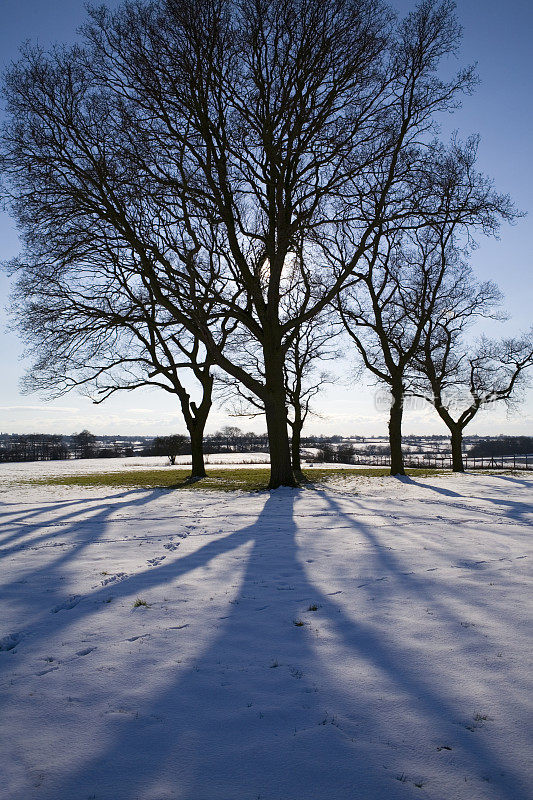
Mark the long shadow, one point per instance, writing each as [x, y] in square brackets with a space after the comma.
[514, 509]
[284, 723]
[21, 524]
[423, 692]
[520, 481]
[79, 530]
[209, 740]
[439, 489]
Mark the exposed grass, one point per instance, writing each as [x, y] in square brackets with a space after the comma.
[371, 472]
[222, 480]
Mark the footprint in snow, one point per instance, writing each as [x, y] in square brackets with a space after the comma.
[155, 562]
[10, 641]
[85, 651]
[67, 604]
[172, 546]
[45, 671]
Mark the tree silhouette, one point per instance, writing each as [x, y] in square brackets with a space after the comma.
[220, 143]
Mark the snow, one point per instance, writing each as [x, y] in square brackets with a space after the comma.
[85, 466]
[410, 680]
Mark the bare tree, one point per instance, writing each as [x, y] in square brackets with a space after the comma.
[415, 271]
[84, 444]
[459, 379]
[220, 140]
[104, 335]
[313, 344]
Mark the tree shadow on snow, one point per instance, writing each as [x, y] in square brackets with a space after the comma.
[268, 708]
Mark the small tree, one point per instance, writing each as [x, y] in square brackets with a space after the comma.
[327, 453]
[84, 444]
[345, 453]
[105, 333]
[313, 344]
[170, 446]
[413, 273]
[462, 380]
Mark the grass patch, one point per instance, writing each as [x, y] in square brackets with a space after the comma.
[370, 472]
[222, 480]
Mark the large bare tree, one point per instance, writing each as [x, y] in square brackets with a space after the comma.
[221, 141]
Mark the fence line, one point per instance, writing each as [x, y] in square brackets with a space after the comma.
[517, 462]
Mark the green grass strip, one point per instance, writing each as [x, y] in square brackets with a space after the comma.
[222, 480]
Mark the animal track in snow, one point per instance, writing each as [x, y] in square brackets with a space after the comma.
[155, 562]
[66, 605]
[172, 546]
[112, 578]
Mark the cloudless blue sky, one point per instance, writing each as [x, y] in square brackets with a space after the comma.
[497, 35]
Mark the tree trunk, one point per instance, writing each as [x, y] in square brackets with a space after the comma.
[457, 449]
[195, 416]
[395, 431]
[197, 451]
[281, 473]
[295, 447]
[456, 434]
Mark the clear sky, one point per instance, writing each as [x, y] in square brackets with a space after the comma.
[497, 35]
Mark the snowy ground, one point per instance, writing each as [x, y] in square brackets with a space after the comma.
[86, 466]
[42, 469]
[409, 680]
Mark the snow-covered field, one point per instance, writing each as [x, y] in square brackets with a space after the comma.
[86, 466]
[358, 643]
[43, 469]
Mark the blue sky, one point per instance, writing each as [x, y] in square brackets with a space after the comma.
[497, 36]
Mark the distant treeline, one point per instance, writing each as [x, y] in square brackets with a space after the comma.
[503, 446]
[56, 447]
